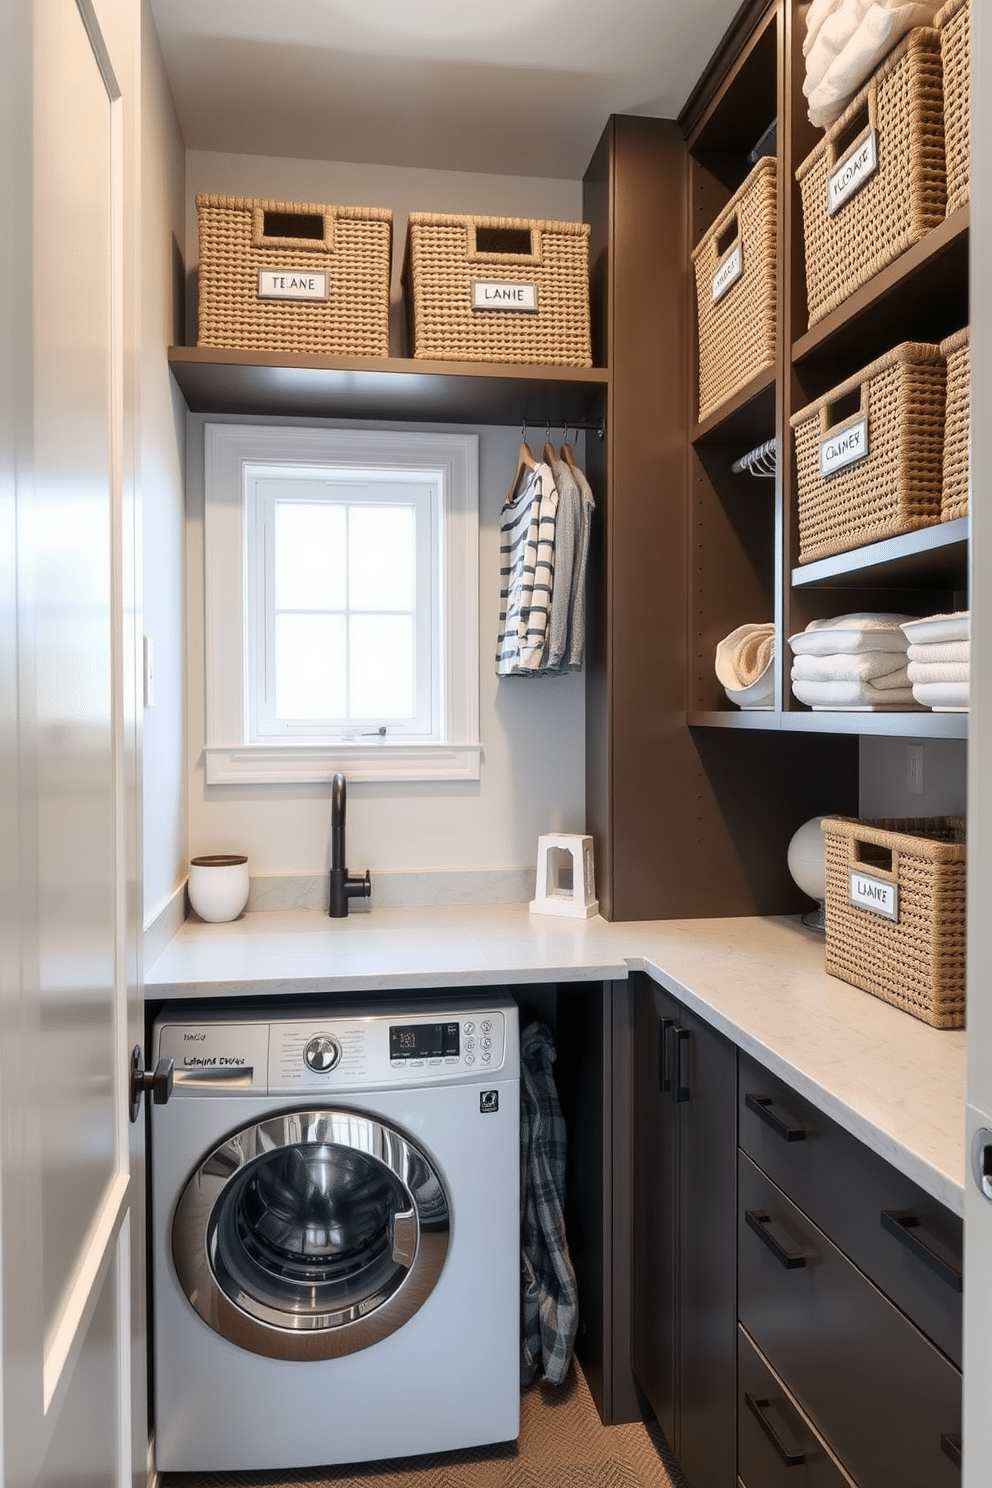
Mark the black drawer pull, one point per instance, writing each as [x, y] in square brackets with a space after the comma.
[762, 1105]
[791, 1457]
[903, 1224]
[792, 1260]
[664, 1078]
[680, 1090]
[951, 1447]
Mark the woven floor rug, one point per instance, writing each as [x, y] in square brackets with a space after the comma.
[562, 1444]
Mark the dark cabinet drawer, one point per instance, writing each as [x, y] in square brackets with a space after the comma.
[903, 1239]
[776, 1445]
[885, 1399]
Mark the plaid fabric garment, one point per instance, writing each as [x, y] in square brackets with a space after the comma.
[550, 1315]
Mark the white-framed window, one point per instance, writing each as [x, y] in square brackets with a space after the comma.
[341, 617]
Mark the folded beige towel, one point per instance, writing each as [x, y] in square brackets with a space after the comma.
[881, 668]
[950, 696]
[939, 671]
[744, 655]
[852, 694]
[932, 651]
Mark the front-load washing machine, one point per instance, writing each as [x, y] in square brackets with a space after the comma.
[335, 1232]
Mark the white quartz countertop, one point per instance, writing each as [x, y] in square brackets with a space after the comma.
[887, 1078]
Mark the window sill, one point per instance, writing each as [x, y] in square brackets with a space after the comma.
[287, 764]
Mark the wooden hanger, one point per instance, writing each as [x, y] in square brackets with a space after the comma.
[525, 462]
[549, 457]
[568, 455]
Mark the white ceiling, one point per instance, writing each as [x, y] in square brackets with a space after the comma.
[510, 87]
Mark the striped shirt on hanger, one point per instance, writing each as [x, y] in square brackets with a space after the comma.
[527, 566]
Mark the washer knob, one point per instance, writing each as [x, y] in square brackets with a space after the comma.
[322, 1053]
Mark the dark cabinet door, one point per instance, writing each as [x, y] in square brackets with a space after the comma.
[653, 1324]
[685, 1192]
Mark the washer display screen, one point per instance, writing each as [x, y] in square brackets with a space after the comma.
[423, 1040]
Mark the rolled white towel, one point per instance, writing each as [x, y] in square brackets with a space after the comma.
[852, 694]
[745, 655]
[935, 651]
[881, 668]
[939, 671]
[841, 60]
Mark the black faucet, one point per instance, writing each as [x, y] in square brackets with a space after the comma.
[343, 888]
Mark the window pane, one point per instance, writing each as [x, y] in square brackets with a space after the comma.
[310, 556]
[310, 666]
[382, 666]
[382, 552]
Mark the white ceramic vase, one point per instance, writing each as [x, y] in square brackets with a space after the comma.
[218, 886]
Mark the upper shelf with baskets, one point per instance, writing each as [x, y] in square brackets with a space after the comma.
[281, 383]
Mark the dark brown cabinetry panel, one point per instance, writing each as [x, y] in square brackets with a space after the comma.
[906, 1242]
[684, 1192]
[777, 1445]
[871, 1384]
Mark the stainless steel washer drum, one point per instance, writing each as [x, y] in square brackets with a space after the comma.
[311, 1235]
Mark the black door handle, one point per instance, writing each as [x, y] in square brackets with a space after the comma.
[792, 1457]
[762, 1105]
[903, 1224]
[951, 1447]
[758, 1221]
[680, 1090]
[664, 1078]
[157, 1082]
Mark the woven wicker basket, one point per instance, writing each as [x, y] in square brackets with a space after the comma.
[917, 960]
[737, 322]
[954, 25]
[891, 416]
[957, 428]
[497, 289]
[901, 109]
[344, 251]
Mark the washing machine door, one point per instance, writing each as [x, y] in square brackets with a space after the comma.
[311, 1234]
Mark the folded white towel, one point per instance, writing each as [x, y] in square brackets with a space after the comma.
[851, 694]
[955, 626]
[931, 651]
[745, 655]
[848, 642]
[849, 45]
[882, 668]
[950, 695]
[939, 671]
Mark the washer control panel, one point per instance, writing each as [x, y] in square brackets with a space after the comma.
[340, 1051]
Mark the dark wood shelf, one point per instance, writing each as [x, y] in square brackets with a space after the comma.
[283, 383]
[935, 556]
[922, 296]
[911, 724]
[746, 419]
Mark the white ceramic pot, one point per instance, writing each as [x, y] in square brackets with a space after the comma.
[218, 886]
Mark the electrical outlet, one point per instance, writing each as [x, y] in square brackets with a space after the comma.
[914, 769]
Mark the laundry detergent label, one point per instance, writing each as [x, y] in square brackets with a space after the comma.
[844, 447]
[852, 172]
[503, 294]
[730, 270]
[874, 894]
[292, 284]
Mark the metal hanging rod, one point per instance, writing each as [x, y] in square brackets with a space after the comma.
[597, 426]
[762, 461]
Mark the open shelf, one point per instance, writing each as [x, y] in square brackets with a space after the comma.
[746, 419]
[921, 296]
[935, 556]
[912, 724]
[283, 383]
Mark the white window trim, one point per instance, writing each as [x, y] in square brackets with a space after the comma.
[228, 756]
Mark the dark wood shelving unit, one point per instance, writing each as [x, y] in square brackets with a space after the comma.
[935, 557]
[286, 384]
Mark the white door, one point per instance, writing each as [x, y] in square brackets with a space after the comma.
[70, 1171]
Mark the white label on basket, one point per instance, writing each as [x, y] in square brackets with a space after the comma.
[501, 294]
[729, 272]
[852, 173]
[292, 284]
[873, 894]
[844, 447]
